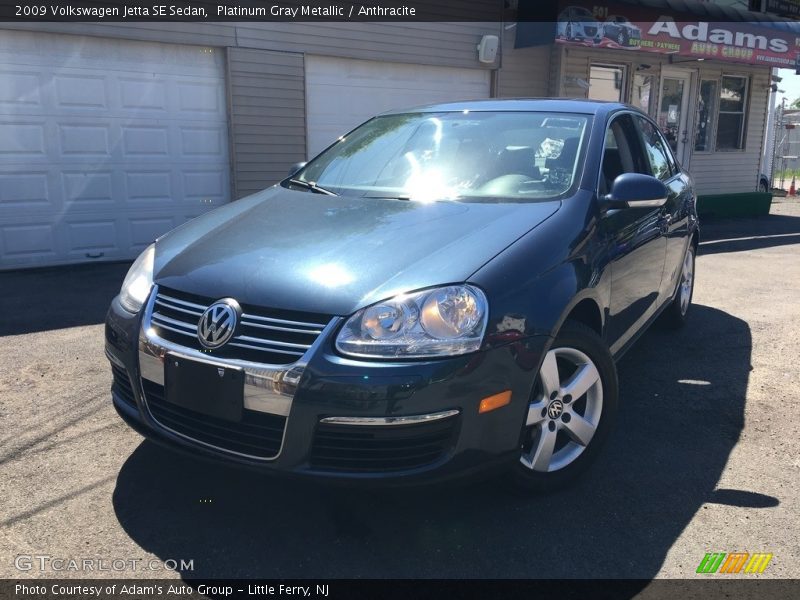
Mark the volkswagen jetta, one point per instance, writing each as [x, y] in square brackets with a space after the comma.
[442, 290]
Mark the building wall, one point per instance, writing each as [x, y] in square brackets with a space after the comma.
[267, 116]
[714, 172]
[266, 80]
[524, 72]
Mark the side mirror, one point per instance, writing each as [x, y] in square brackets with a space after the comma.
[635, 190]
[296, 167]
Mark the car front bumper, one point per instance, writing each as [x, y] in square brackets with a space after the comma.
[334, 417]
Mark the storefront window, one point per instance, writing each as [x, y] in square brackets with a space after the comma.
[642, 92]
[706, 106]
[605, 82]
[732, 102]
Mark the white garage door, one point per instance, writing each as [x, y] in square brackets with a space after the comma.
[105, 144]
[342, 93]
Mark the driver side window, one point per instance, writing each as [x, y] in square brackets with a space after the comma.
[620, 153]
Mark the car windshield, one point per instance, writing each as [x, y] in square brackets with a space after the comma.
[465, 156]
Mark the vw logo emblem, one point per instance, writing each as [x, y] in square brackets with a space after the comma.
[218, 323]
[555, 409]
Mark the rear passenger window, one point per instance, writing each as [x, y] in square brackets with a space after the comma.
[658, 156]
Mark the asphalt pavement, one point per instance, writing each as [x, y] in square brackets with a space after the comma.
[705, 456]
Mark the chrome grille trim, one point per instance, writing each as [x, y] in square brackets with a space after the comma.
[199, 307]
[268, 388]
[170, 321]
[197, 313]
[247, 339]
[246, 316]
[276, 328]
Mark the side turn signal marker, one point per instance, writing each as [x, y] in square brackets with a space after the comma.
[496, 401]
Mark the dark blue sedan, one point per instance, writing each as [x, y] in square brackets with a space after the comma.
[441, 291]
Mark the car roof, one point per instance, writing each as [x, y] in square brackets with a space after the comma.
[555, 105]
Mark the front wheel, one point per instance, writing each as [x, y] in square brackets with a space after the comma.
[571, 411]
[676, 313]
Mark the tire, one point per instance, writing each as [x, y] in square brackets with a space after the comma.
[574, 428]
[677, 313]
[762, 186]
[622, 38]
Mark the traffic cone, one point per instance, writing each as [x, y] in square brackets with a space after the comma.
[792, 191]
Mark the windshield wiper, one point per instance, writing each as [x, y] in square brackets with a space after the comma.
[389, 197]
[310, 185]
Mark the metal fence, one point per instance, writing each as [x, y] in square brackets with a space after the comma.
[784, 157]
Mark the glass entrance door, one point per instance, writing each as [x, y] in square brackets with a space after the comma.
[673, 113]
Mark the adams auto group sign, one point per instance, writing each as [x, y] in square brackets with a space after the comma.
[637, 29]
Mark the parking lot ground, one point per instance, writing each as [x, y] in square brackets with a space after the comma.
[705, 456]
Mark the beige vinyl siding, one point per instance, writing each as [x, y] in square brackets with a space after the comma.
[267, 116]
[443, 44]
[193, 33]
[525, 72]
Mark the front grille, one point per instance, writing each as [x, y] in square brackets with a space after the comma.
[381, 448]
[122, 385]
[257, 434]
[589, 30]
[271, 336]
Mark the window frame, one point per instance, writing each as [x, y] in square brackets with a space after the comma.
[634, 141]
[745, 107]
[672, 162]
[623, 86]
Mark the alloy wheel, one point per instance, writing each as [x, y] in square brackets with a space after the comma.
[564, 413]
[687, 280]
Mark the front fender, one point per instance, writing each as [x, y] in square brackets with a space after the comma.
[536, 282]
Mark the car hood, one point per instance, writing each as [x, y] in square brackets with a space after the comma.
[301, 251]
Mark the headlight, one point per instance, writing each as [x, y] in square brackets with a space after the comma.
[138, 281]
[444, 321]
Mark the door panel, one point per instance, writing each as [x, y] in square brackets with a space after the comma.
[674, 214]
[636, 242]
[673, 113]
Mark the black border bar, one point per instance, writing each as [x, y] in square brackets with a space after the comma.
[709, 587]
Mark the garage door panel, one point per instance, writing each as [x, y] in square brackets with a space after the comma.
[105, 144]
[149, 186]
[202, 141]
[92, 236]
[142, 141]
[23, 190]
[21, 138]
[342, 93]
[198, 97]
[208, 187]
[29, 242]
[20, 88]
[84, 140]
[80, 91]
[143, 94]
[143, 231]
[95, 187]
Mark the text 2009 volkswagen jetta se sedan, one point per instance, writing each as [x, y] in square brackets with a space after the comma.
[442, 290]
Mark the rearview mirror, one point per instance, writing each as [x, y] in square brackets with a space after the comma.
[635, 190]
[296, 167]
